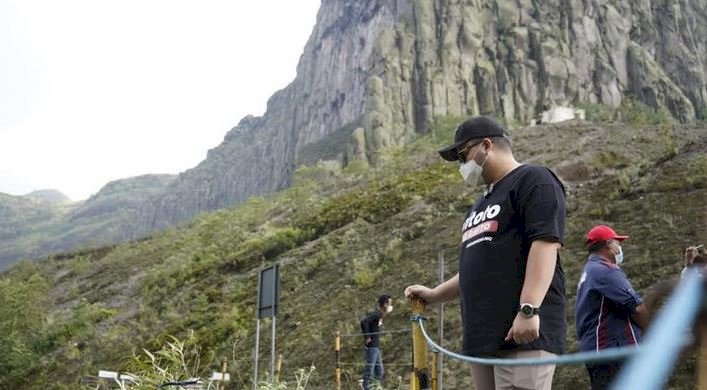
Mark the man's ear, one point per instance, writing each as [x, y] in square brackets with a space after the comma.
[488, 144]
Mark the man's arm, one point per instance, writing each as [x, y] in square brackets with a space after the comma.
[640, 316]
[614, 285]
[539, 271]
[538, 275]
[542, 208]
[367, 330]
[442, 293]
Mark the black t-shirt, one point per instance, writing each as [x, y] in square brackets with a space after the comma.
[371, 324]
[527, 204]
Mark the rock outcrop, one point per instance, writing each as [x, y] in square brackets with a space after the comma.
[374, 74]
[260, 154]
[381, 70]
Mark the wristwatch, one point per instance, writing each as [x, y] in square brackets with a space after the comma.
[528, 311]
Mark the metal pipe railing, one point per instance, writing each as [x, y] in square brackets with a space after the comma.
[650, 369]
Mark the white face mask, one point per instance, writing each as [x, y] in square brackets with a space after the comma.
[389, 309]
[618, 257]
[471, 171]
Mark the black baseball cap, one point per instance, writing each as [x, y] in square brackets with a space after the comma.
[476, 127]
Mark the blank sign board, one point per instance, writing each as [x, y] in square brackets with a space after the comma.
[268, 291]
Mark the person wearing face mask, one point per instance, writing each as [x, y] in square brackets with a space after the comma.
[370, 328]
[510, 281]
[608, 312]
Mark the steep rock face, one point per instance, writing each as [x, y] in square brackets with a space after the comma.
[124, 195]
[514, 59]
[381, 70]
[260, 154]
[374, 73]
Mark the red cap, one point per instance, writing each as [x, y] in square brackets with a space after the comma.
[602, 233]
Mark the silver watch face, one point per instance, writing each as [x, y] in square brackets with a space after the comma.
[526, 310]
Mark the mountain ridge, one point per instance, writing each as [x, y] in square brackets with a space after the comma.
[48, 195]
[342, 236]
[408, 61]
[374, 74]
[34, 228]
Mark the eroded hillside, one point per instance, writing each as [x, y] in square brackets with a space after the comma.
[343, 237]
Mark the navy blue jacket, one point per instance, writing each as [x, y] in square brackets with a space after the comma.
[605, 302]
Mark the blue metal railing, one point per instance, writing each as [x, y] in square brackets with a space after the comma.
[651, 368]
[575, 358]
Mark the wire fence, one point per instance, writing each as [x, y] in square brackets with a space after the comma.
[376, 333]
[384, 364]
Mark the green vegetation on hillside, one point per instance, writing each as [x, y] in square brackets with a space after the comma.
[41, 223]
[342, 237]
[23, 222]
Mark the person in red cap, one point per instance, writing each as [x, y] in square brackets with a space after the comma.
[608, 312]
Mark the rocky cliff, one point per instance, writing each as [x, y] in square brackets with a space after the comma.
[260, 154]
[375, 72]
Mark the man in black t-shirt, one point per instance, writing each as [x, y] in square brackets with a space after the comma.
[370, 329]
[510, 281]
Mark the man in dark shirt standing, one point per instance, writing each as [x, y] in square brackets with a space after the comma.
[608, 312]
[370, 328]
[510, 281]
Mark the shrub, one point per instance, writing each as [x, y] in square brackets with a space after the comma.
[363, 273]
[637, 113]
[599, 113]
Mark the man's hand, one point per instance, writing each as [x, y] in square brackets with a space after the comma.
[524, 330]
[690, 254]
[442, 293]
[368, 340]
[418, 291]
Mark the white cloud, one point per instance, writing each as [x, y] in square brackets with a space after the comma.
[98, 90]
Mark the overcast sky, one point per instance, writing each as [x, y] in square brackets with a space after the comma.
[96, 90]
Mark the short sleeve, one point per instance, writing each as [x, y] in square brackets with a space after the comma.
[614, 285]
[543, 209]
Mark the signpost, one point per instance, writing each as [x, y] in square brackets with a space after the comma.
[268, 301]
[440, 327]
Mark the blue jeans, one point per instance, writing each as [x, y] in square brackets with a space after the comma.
[374, 365]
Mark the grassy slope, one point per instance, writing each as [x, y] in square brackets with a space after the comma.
[344, 238]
